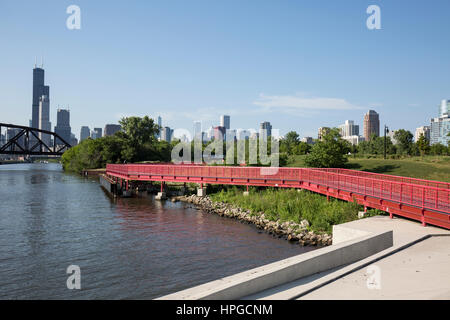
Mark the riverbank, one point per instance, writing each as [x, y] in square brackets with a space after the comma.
[289, 230]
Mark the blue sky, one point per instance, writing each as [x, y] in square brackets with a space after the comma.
[298, 64]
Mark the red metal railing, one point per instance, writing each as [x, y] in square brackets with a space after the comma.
[426, 195]
[429, 183]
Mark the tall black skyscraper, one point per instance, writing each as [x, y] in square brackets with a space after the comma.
[62, 127]
[39, 90]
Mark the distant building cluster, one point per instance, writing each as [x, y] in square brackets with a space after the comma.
[436, 132]
[440, 126]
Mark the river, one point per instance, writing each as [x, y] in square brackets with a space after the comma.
[135, 248]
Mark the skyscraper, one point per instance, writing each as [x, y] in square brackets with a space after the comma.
[84, 133]
[219, 133]
[265, 129]
[111, 129]
[62, 127]
[371, 124]
[444, 108]
[96, 133]
[322, 132]
[440, 126]
[197, 130]
[44, 119]
[166, 134]
[39, 90]
[225, 121]
[349, 129]
[160, 127]
[424, 130]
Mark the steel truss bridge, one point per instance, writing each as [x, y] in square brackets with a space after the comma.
[422, 200]
[27, 141]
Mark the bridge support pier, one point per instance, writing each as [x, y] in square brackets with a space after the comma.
[201, 192]
[161, 196]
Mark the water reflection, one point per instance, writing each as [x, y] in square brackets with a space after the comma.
[126, 248]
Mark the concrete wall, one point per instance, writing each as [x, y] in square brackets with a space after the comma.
[287, 270]
[343, 234]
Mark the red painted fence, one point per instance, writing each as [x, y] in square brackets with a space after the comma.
[422, 200]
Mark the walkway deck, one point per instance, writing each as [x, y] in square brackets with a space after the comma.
[422, 200]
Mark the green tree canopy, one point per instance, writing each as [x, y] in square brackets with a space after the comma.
[423, 145]
[404, 140]
[330, 152]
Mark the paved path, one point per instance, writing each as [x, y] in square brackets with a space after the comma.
[416, 267]
[421, 271]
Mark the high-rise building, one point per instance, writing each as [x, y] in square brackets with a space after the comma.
[210, 133]
[439, 129]
[354, 140]
[322, 132]
[440, 126]
[265, 129]
[225, 122]
[166, 134]
[231, 134]
[308, 140]
[62, 127]
[219, 133]
[39, 90]
[84, 133]
[243, 134]
[197, 130]
[444, 108]
[2, 139]
[371, 124]
[424, 130]
[96, 133]
[111, 129]
[11, 133]
[73, 140]
[349, 129]
[44, 119]
[158, 135]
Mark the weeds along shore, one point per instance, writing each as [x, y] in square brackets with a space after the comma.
[298, 216]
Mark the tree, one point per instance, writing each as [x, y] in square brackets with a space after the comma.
[136, 142]
[290, 143]
[331, 152]
[438, 149]
[302, 148]
[423, 145]
[404, 141]
[139, 130]
[376, 146]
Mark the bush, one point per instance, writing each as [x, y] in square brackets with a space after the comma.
[291, 205]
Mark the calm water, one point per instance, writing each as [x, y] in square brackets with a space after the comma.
[134, 248]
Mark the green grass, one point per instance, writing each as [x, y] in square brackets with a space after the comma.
[291, 205]
[428, 167]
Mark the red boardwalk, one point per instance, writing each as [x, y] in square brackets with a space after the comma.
[423, 200]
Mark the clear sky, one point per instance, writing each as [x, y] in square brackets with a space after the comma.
[298, 64]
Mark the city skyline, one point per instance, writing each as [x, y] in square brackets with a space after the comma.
[291, 81]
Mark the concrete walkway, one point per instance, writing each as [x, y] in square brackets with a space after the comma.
[421, 271]
[417, 266]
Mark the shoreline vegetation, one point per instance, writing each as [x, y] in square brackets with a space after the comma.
[299, 216]
[289, 230]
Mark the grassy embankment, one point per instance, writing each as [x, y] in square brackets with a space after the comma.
[428, 167]
[290, 205]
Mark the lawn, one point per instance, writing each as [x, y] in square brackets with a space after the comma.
[428, 167]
